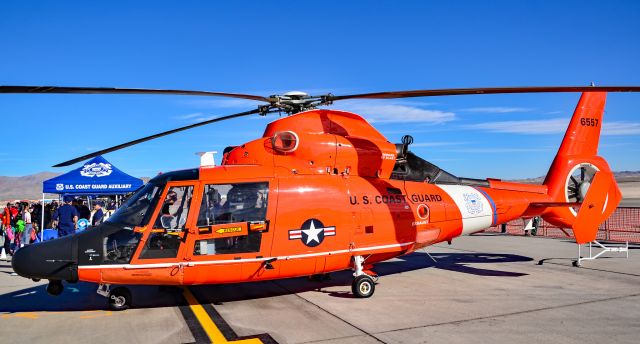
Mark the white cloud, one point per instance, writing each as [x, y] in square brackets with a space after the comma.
[620, 128]
[498, 150]
[202, 118]
[543, 126]
[397, 112]
[497, 109]
[553, 126]
[438, 143]
[225, 103]
[189, 116]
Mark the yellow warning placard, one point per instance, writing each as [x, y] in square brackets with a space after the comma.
[226, 230]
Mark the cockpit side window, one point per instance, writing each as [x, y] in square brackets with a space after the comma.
[137, 211]
[166, 234]
[175, 207]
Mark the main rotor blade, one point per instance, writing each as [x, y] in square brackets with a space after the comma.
[484, 90]
[155, 136]
[110, 90]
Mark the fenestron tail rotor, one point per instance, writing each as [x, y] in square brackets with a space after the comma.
[578, 183]
[292, 102]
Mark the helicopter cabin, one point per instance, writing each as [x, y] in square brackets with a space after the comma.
[316, 189]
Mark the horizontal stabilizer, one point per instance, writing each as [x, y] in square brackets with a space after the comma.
[555, 204]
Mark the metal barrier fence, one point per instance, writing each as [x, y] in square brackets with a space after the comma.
[623, 225]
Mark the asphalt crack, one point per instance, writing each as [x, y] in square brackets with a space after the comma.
[332, 314]
[512, 313]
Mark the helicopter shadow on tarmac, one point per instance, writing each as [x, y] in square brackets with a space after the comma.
[458, 262]
[82, 296]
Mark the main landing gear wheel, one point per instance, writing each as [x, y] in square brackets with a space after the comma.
[363, 286]
[119, 299]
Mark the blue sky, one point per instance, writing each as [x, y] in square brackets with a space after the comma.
[267, 47]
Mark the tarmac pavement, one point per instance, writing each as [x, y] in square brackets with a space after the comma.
[483, 288]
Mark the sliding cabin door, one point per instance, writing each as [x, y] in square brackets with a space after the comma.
[232, 232]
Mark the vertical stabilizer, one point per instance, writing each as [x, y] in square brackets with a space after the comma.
[572, 175]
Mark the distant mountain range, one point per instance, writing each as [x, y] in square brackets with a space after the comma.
[27, 187]
[621, 177]
[30, 187]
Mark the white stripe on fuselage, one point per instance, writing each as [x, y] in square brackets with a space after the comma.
[474, 207]
[248, 260]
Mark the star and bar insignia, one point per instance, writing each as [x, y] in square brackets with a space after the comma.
[312, 232]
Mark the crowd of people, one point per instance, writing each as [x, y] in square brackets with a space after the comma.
[20, 222]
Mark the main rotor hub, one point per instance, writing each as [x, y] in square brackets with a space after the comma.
[296, 95]
[295, 101]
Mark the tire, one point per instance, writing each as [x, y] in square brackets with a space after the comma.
[119, 299]
[55, 288]
[363, 286]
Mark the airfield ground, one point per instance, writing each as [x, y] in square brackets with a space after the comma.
[484, 288]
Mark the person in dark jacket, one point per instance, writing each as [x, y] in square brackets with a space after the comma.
[98, 215]
[83, 211]
[66, 218]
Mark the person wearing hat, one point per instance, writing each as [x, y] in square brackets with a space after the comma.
[66, 217]
[98, 214]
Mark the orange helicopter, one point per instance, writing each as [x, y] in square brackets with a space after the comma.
[320, 191]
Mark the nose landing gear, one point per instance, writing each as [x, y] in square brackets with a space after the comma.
[363, 285]
[119, 298]
[55, 287]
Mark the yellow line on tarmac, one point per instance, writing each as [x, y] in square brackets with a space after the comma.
[207, 323]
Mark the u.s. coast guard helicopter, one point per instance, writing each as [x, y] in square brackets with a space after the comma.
[249, 219]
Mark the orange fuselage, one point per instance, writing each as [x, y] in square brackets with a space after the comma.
[331, 196]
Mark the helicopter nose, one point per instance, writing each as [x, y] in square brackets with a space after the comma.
[53, 260]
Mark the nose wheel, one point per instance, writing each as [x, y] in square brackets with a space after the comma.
[119, 298]
[55, 288]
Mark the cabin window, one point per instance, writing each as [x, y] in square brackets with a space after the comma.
[238, 244]
[244, 204]
[166, 235]
[230, 203]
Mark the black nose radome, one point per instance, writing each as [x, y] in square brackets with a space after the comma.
[52, 260]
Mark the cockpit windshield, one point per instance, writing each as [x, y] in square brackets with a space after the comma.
[139, 208]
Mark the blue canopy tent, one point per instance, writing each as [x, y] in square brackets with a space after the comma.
[95, 177]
